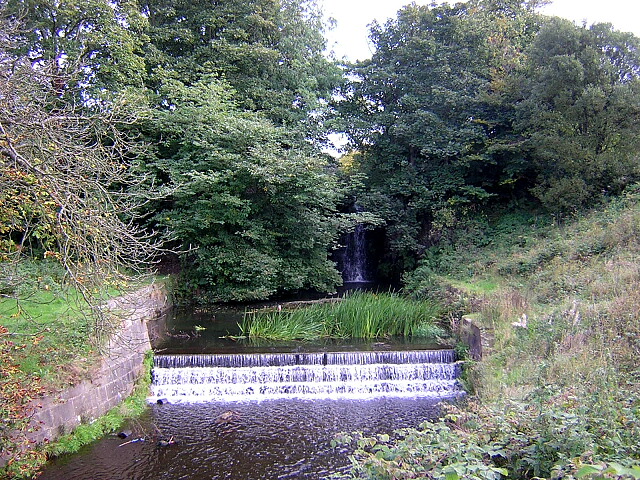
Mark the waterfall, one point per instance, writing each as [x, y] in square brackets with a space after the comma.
[352, 375]
[355, 256]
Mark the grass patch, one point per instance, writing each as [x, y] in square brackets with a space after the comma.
[357, 315]
[57, 331]
[558, 393]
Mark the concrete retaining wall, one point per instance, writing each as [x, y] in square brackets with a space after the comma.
[478, 339]
[115, 378]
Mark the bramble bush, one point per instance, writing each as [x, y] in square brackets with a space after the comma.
[543, 438]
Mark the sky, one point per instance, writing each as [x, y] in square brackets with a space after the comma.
[350, 37]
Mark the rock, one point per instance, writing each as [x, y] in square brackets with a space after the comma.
[166, 443]
[228, 417]
[162, 401]
[125, 434]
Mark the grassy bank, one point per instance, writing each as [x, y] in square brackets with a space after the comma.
[48, 342]
[357, 315]
[558, 394]
[56, 333]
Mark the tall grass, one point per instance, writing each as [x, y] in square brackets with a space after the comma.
[283, 325]
[358, 315]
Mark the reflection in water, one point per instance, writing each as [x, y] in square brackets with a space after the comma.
[258, 441]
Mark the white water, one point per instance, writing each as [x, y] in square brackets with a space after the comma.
[355, 257]
[344, 375]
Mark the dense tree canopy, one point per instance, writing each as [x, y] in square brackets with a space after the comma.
[581, 112]
[269, 51]
[463, 109]
[88, 43]
[239, 91]
[259, 213]
[469, 107]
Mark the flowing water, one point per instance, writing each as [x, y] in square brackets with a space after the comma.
[354, 260]
[265, 412]
[307, 376]
[277, 439]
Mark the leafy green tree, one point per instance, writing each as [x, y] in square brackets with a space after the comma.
[94, 43]
[258, 216]
[580, 112]
[239, 90]
[431, 114]
[270, 52]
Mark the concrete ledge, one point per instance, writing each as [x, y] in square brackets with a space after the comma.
[474, 336]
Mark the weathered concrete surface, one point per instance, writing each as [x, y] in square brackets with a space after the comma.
[114, 380]
[476, 338]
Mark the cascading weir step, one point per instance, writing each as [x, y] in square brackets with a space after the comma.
[319, 375]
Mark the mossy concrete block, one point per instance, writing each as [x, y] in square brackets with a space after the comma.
[471, 334]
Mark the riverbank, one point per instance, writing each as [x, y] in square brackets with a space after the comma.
[48, 410]
[556, 394]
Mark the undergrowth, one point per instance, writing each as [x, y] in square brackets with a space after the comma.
[558, 393]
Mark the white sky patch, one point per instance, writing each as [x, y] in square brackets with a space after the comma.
[350, 38]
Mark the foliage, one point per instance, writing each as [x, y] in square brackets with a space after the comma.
[512, 440]
[17, 390]
[357, 315]
[258, 214]
[68, 184]
[271, 53]
[580, 114]
[87, 45]
[557, 391]
[425, 112]
[466, 109]
[239, 92]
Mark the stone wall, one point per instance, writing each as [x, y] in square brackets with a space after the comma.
[114, 380]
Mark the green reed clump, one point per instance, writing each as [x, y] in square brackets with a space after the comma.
[282, 325]
[358, 315]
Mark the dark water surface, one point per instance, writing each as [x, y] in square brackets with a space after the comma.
[216, 331]
[262, 440]
[258, 440]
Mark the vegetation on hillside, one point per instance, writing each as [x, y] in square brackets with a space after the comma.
[480, 133]
[486, 105]
[556, 395]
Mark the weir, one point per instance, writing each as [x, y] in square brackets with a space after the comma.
[319, 375]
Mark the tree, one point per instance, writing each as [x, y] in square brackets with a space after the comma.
[258, 215]
[94, 43]
[430, 114]
[580, 113]
[239, 92]
[270, 52]
[67, 179]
